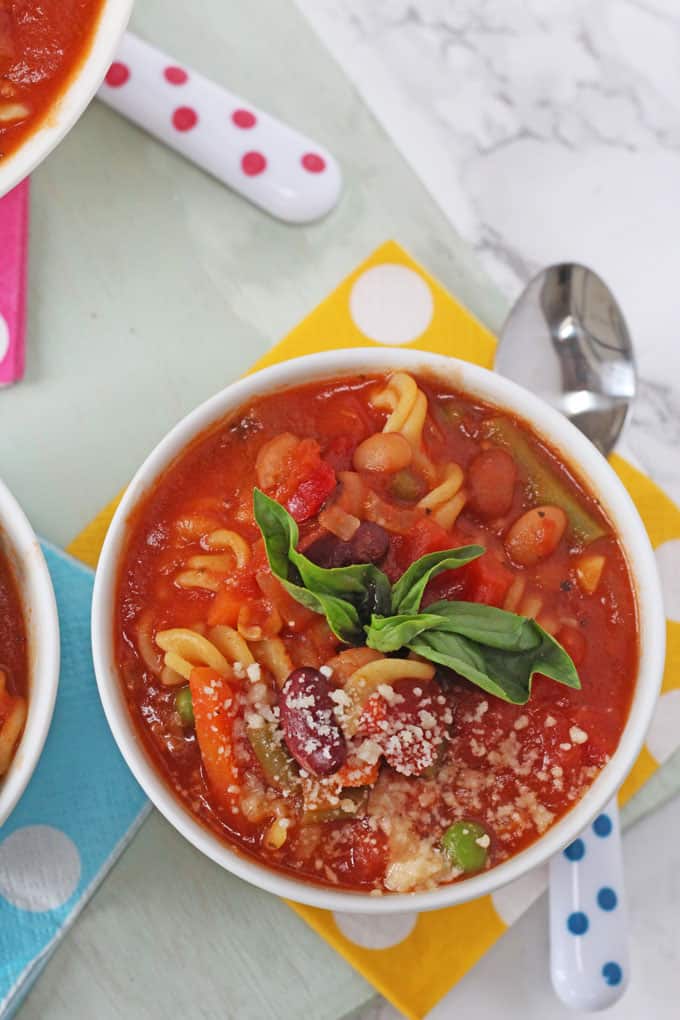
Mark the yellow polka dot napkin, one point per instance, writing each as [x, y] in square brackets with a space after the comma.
[414, 960]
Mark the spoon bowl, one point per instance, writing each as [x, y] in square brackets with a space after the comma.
[566, 339]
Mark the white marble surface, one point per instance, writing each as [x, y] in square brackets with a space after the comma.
[547, 131]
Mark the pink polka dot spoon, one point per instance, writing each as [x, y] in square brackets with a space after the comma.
[269, 163]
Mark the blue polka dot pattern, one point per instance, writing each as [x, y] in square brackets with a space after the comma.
[607, 898]
[612, 973]
[577, 923]
[602, 826]
[575, 851]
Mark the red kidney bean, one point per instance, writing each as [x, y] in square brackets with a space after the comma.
[308, 722]
[369, 543]
[329, 551]
[491, 483]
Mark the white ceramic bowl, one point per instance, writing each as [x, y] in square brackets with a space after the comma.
[20, 545]
[575, 449]
[82, 86]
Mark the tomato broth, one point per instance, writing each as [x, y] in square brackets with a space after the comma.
[41, 47]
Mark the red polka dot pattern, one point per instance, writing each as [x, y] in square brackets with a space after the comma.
[184, 118]
[253, 163]
[175, 75]
[314, 163]
[244, 118]
[117, 74]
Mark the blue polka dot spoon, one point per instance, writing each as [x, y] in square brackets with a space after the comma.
[566, 339]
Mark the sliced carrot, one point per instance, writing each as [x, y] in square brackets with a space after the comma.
[356, 772]
[225, 608]
[214, 711]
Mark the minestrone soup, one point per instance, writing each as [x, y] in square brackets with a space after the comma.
[13, 666]
[41, 46]
[375, 634]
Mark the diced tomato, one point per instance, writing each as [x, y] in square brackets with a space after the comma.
[359, 853]
[374, 713]
[486, 581]
[407, 754]
[214, 711]
[312, 493]
[427, 536]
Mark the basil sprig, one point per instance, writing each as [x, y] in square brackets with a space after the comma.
[496, 650]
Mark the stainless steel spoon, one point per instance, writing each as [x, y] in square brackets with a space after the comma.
[566, 340]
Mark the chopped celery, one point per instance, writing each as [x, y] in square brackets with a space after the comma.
[279, 768]
[335, 813]
[545, 486]
[184, 706]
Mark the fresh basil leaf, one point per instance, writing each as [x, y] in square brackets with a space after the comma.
[362, 584]
[280, 534]
[408, 591]
[389, 634]
[507, 675]
[487, 625]
[279, 531]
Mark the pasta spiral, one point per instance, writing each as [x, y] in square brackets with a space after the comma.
[227, 551]
[408, 407]
[185, 649]
[447, 499]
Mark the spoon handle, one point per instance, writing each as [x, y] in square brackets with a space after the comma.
[589, 959]
[272, 165]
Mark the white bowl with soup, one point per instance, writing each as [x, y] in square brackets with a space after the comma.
[29, 652]
[318, 614]
[53, 58]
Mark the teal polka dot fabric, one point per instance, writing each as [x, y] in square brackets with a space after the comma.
[78, 813]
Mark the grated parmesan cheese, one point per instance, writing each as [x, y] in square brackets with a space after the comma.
[578, 735]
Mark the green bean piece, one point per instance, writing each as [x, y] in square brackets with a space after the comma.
[467, 845]
[407, 486]
[185, 706]
[358, 794]
[544, 485]
[280, 769]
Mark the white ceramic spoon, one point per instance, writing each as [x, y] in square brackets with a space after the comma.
[566, 340]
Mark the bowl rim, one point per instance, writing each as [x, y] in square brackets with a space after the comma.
[572, 446]
[39, 608]
[72, 102]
